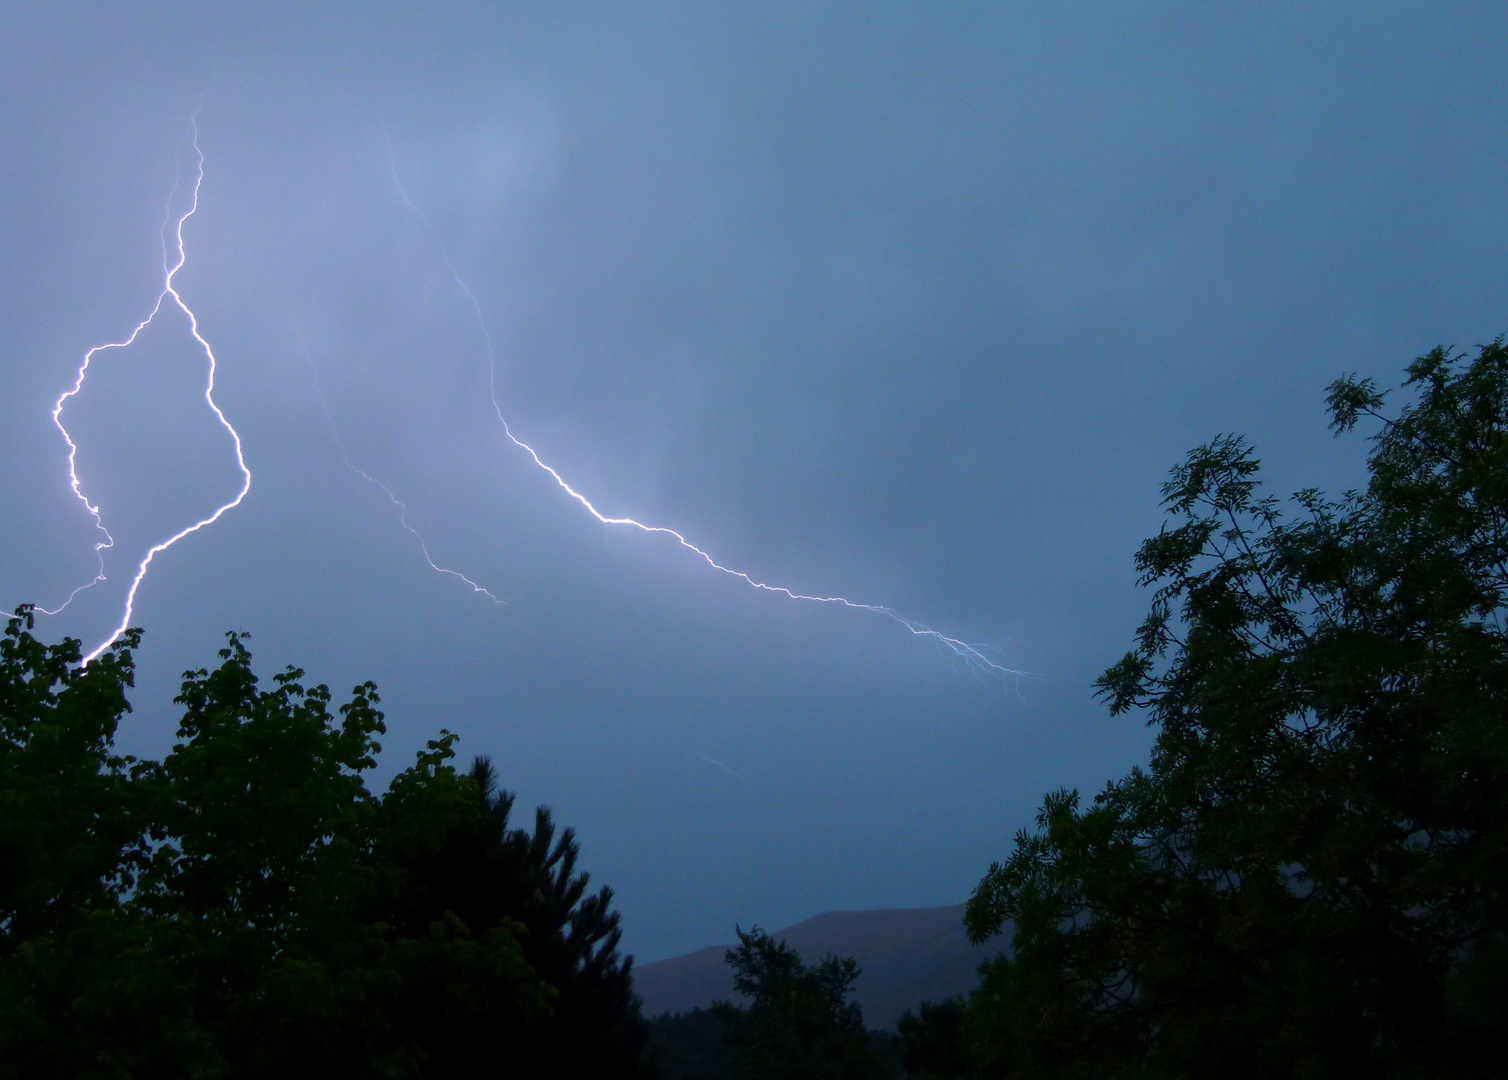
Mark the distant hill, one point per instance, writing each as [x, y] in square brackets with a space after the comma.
[906, 955]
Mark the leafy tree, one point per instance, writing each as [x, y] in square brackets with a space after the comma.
[1309, 877]
[84, 991]
[933, 1045]
[247, 907]
[799, 1024]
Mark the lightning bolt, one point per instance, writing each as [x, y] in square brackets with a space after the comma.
[399, 503]
[972, 655]
[713, 761]
[168, 293]
[403, 520]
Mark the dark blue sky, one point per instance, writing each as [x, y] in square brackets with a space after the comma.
[909, 303]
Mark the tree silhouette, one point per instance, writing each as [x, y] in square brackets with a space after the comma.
[933, 1044]
[484, 872]
[248, 908]
[800, 1023]
[1308, 879]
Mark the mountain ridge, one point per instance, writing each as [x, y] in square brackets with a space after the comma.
[905, 956]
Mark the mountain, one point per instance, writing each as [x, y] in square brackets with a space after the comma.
[906, 955]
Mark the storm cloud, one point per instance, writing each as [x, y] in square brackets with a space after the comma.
[910, 303]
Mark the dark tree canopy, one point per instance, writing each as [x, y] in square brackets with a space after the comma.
[799, 1023]
[486, 872]
[1308, 879]
[247, 908]
[932, 1040]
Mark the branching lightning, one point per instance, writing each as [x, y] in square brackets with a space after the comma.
[168, 291]
[173, 262]
[973, 655]
[403, 520]
[399, 503]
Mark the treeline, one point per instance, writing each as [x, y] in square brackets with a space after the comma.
[796, 1021]
[1307, 879]
[246, 907]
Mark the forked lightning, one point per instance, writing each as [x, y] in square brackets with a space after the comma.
[973, 655]
[168, 291]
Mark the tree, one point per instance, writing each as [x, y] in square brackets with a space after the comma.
[83, 990]
[799, 1024]
[1308, 879]
[484, 872]
[247, 907]
[692, 1046]
[933, 1045]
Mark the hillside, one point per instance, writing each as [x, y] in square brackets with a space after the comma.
[907, 955]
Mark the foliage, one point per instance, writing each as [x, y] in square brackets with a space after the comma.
[247, 907]
[485, 872]
[690, 1046]
[1308, 878]
[933, 1046]
[800, 1023]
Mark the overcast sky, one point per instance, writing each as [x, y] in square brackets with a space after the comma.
[914, 304]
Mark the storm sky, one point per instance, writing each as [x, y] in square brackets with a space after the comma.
[914, 304]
